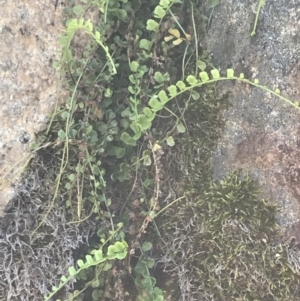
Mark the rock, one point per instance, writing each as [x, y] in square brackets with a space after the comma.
[262, 132]
[28, 33]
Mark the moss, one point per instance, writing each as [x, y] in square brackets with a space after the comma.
[226, 241]
[222, 242]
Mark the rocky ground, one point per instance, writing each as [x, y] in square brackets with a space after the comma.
[28, 36]
[262, 132]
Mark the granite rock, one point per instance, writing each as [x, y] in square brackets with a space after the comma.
[28, 45]
[262, 132]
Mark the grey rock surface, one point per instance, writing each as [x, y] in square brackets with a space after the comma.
[28, 44]
[262, 132]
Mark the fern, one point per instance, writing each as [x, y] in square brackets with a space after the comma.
[261, 3]
[74, 25]
[159, 13]
[143, 121]
[115, 251]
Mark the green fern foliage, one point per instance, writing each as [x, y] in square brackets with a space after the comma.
[159, 13]
[73, 26]
[116, 251]
[142, 121]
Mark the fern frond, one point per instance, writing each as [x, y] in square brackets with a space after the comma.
[157, 102]
[116, 251]
[74, 25]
